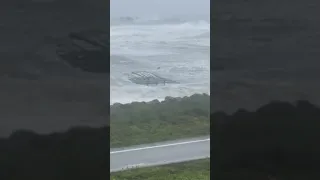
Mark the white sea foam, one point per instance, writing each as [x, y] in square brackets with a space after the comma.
[173, 48]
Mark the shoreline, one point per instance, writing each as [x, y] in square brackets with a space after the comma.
[154, 99]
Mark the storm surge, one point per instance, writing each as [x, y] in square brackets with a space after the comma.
[172, 47]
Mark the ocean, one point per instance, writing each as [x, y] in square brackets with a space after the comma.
[177, 48]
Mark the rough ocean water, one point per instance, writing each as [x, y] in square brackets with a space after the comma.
[174, 48]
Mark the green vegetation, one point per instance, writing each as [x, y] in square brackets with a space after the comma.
[193, 170]
[147, 122]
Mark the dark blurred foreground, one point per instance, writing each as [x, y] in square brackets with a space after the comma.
[279, 139]
[263, 51]
[80, 153]
[40, 90]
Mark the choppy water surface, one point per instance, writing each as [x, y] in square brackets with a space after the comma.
[174, 48]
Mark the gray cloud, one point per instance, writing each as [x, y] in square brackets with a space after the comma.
[159, 7]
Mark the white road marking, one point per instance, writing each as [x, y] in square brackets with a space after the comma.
[159, 146]
[135, 165]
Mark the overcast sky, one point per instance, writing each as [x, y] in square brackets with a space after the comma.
[159, 7]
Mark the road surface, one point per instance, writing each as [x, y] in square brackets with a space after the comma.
[159, 153]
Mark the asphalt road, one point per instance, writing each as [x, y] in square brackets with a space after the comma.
[159, 153]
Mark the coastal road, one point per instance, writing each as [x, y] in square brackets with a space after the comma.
[159, 153]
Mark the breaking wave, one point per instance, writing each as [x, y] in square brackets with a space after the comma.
[173, 48]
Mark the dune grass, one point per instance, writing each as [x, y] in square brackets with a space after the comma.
[174, 118]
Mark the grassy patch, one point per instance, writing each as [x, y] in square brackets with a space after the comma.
[192, 170]
[174, 118]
